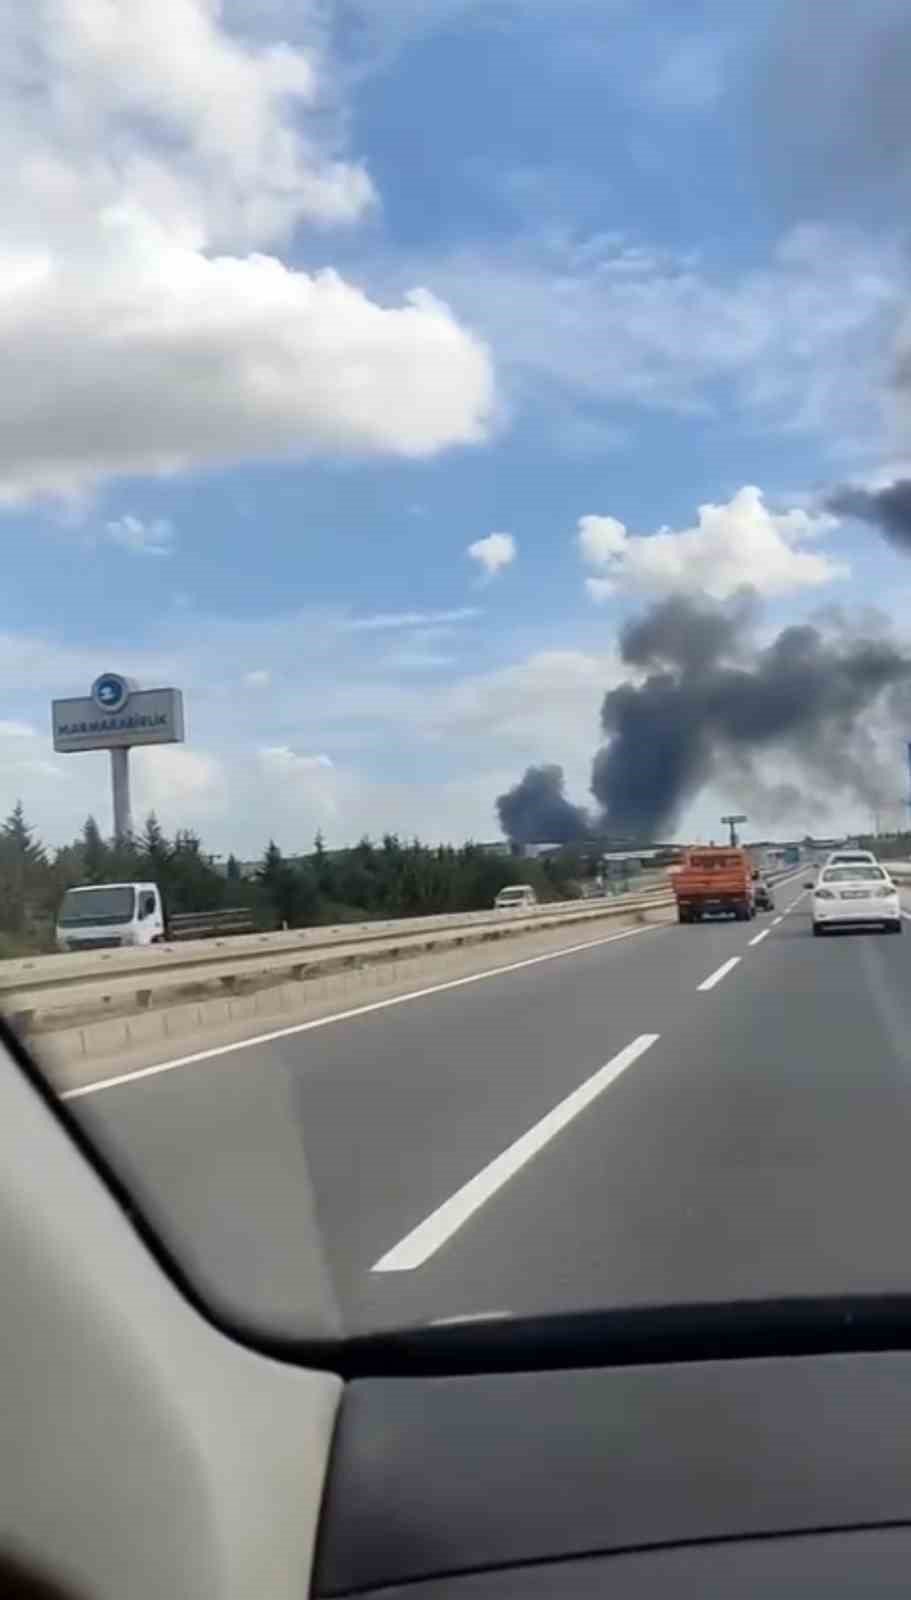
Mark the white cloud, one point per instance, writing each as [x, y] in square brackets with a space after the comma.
[141, 538]
[386, 621]
[548, 702]
[280, 758]
[802, 343]
[259, 678]
[142, 327]
[494, 553]
[219, 138]
[737, 544]
[182, 785]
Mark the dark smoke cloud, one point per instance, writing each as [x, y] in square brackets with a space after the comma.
[536, 810]
[887, 509]
[697, 714]
[833, 93]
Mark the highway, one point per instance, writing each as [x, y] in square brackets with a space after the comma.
[669, 1114]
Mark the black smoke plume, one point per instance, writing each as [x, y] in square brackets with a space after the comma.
[707, 706]
[887, 509]
[536, 810]
[833, 94]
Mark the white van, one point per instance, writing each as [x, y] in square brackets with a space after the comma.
[517, 897]
[103, 916]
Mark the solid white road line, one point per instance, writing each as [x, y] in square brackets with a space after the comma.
[760, 936]
[345, 1016]
[716, 977]
[424, 1240]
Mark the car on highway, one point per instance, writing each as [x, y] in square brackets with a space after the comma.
[763, 898]
[844, 858]
[516, 897]
[855, 894]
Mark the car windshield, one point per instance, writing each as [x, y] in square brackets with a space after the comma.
[456, 458]
[84, 907]
[861, 873]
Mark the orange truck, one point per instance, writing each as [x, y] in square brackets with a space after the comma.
[714, 879]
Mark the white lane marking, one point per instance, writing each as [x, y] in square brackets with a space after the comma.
[716, 977]
[345, 1016]
[424, 1240]
[796, 902]
[760, 936]
[776, 920]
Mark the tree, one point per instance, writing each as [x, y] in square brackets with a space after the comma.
[18, 837]
[282, 886]
[153, 844]
[94, 851]
[23, 865]
[232, 869]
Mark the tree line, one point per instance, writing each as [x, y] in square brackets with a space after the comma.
[391, 878]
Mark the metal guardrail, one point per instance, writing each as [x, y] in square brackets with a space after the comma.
[278, 957]
[133, 977]
[75, 967]
[209, 924]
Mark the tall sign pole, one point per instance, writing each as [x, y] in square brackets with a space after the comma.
[115, 716]
[120, 792]
[732, 822]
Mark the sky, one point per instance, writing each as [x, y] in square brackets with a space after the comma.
[368, 366]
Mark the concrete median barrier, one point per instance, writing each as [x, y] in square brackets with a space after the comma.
[173, 1023]
[61, 992]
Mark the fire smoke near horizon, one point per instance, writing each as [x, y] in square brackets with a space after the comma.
[700, 701]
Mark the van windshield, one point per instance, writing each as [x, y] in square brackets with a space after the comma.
[83, 908]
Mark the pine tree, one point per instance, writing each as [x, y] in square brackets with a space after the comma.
[94, 851]
[271, 864]
[23, 867]
[152, 841]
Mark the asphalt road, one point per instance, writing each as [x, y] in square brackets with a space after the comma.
[680, 1113]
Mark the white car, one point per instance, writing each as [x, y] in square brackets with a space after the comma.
[516, 897]
[844, 858]
[855, 894]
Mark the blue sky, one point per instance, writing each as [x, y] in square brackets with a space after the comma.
[296, 313]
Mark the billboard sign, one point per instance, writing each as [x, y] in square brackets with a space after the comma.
[115, 714]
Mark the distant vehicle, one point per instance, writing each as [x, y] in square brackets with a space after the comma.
[714, 880]
[844, 858]
[762, 893]
[516, 897]
[105, 916]
[855, 894]
[108, 916]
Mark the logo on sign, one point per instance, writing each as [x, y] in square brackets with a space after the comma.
[110, 692]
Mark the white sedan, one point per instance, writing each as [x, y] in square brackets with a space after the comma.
[855, 895]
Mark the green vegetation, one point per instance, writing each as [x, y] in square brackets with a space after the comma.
[389, 879]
